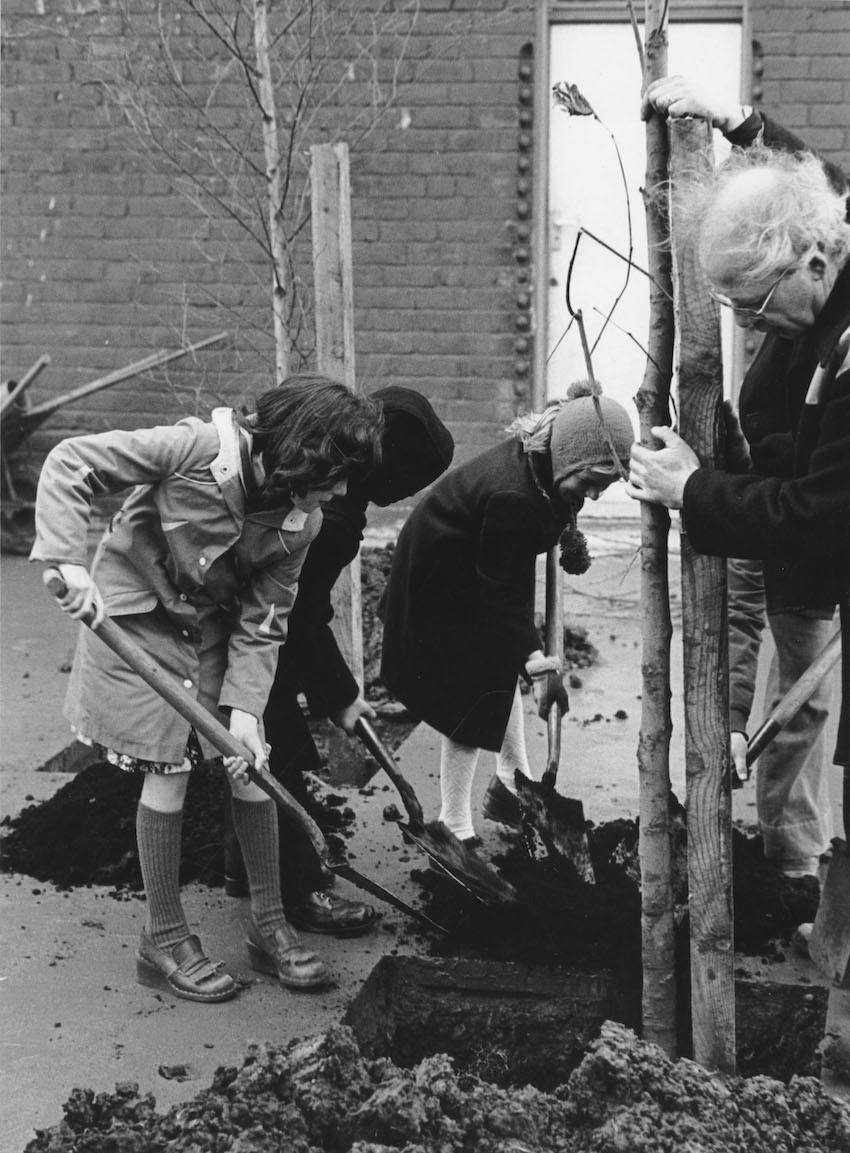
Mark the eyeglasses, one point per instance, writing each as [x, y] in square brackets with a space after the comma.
[747, 310]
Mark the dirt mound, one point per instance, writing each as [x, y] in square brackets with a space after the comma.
[321, 1094]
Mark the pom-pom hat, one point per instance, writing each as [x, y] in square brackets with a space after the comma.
[579, 440]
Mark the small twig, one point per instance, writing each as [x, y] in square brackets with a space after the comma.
[560, 339]
[630, 335]
[596, 391]
[638, 41]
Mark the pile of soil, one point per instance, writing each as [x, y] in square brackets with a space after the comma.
[322, 1094]
[53, 841]
[560, 919]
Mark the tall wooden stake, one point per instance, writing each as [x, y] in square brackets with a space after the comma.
[659, 991]
[705, 640]
[334, 306]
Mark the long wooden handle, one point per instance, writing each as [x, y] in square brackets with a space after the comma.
[554, 648]
[795, 698]
[200, 717]
[381, 754]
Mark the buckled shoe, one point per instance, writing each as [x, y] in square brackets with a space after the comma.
[185, 971]
[501, 805]
[284, 956]
[323, 911]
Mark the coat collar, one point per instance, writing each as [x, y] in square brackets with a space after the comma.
[834, 317]
[226, 467]
[227, 470]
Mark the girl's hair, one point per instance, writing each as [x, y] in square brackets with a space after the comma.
[534, 429]
[313, 432]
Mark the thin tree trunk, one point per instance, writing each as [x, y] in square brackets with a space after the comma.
[659, 991]
[705, 640]
[274, 190]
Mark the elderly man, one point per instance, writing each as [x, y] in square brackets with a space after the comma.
[796, 597]
[774, 240]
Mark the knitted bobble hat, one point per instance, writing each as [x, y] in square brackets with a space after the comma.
[578, 439]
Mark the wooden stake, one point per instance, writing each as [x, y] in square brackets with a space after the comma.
[659, 992]
[334, 305]
[705, 640]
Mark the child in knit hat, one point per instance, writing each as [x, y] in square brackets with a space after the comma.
[459, 626]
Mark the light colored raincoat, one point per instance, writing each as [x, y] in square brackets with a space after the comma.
[204, 586]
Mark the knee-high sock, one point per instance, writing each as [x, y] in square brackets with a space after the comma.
[513, 754]
[159, 839]
[457, 772]
[255, 823]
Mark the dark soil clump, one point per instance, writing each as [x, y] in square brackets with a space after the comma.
[322, 1094]
[86, 833]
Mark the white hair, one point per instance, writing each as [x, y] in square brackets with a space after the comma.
[761, 213]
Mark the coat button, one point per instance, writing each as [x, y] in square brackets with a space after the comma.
[185, 632]
[187, 684]
[183, 597]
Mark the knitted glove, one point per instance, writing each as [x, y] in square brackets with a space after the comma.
[547, 685]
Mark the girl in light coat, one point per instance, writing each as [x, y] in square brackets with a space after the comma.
[200, 567]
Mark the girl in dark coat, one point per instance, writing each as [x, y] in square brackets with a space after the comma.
[416, 448]
[459, 619]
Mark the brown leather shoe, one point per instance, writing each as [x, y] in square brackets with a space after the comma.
[325, 912]
[184, 970]
[283, 956]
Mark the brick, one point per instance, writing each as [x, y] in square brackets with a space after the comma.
[829, 115]
[826, 140]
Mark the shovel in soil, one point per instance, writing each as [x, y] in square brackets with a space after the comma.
[554, 825]
[440, 845]
[210, 727]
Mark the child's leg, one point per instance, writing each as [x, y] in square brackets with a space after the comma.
[273, 945]
[457, 772]
[159, 826]
[513, 754]
[255, 824]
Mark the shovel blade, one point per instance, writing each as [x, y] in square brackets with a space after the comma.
[829, 945]
[557, 824]
[461, 863]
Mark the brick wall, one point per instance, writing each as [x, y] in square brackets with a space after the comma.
[103, 261]
[801, 61]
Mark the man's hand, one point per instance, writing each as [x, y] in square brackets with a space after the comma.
[347, 718]
[679, 96]
[82, 599]
[245, 727]
[659, 475]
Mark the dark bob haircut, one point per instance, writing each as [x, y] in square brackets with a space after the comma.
[312, 432]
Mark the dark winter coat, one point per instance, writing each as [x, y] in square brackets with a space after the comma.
[806, 514]
[769, 417]
[459, 615]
